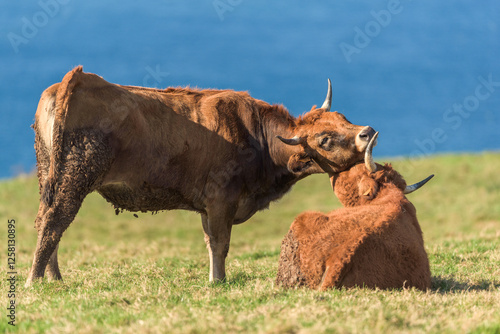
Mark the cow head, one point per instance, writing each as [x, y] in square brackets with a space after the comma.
[328, 141]
[362, 182]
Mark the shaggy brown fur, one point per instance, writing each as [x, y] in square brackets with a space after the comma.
[375, 241]
[210, 151]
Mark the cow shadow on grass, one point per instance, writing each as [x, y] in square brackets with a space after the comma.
[251, 268]
[444, 285]
[439, 284]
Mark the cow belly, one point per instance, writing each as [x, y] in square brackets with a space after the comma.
[247, 207]
[145, 198]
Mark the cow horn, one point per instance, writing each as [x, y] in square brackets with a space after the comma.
[292, 141]
[369, 163]
[328, 101]
[413, 187]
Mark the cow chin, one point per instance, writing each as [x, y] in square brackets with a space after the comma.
[331, 169]
[346, 164]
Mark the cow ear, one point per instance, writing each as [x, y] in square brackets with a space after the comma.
[299, 162]
[368, 188]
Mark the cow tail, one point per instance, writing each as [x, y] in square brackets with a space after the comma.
[63, 95]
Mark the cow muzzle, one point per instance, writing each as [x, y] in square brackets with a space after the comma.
[364, 137]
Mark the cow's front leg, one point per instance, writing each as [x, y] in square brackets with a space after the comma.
[217, 237]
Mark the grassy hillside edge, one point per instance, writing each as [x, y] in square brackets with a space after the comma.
[149, 274]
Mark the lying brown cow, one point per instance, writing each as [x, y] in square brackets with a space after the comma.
[217, 152]
[375, 241]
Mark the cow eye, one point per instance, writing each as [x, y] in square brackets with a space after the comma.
[324, 141]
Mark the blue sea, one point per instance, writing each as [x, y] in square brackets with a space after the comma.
[426, 74]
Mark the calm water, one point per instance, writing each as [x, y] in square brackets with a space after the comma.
[424, 74]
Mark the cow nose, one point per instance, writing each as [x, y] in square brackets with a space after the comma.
[366, 134]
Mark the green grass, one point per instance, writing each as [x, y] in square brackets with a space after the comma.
[149, 274]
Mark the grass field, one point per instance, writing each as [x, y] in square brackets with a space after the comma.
[149, 274]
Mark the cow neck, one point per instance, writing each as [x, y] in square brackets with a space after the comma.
[278, 122]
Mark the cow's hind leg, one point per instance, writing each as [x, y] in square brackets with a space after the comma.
[43, 164]
[86, 158]
[51, 227]
[52, 269]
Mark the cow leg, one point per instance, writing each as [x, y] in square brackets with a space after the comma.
[52, 266]
[51, 227]
[85, 160]
[52, 269]
[217, 230]
[43, 169]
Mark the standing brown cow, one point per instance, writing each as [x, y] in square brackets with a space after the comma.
[217, 152]
[375, 241]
